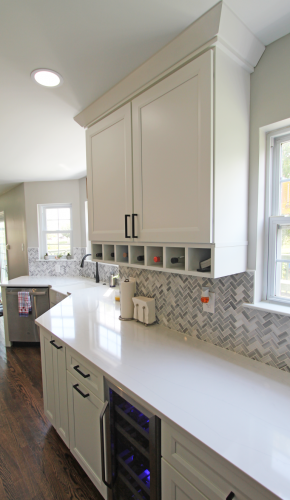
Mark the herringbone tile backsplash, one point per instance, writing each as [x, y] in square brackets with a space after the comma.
[261, 336]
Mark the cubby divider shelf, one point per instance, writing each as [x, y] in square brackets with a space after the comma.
[196, 256]
[175, 258]
[137, 253]
[122, 254]
[97, 251]
[154, 253]
[188, 256]
[109, 253]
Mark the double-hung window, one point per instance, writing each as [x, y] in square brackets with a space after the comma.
[278, 286]
[55, 229]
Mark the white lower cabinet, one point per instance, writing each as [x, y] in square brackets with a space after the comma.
[191, 470]
[84, 425]
[53, 361]
[60, 387]
[175, 487]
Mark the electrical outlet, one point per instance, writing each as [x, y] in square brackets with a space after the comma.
[57, 268]
[209, 307]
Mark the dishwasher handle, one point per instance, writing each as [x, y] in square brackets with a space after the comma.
[33, 294]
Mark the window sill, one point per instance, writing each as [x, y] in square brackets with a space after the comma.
[56, 260]
[269, 307]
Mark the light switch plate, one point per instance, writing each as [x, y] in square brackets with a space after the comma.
[57, 268]
[210, 306]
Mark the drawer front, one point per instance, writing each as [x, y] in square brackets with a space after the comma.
[56, 297]
[176, 487]
[85, 373]
[208, 472]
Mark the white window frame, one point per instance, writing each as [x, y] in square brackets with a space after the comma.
[274, 220]
[42, 225]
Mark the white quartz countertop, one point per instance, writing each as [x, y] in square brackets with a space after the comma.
[65, 284]
[238, 407]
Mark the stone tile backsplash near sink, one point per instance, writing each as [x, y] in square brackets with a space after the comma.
[68, 267]
[258, 335]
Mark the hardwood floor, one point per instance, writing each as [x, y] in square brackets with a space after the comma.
[35, 464]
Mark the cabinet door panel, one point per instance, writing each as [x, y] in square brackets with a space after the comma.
[84, 424]
[109, 166]
[48, 378]
[172, 156]
[60, 387]
[176, 487]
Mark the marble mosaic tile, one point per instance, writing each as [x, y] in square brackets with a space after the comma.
[105, 270]
[68, 267]
[258, 335]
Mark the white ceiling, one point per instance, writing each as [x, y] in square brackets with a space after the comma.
[93, 44]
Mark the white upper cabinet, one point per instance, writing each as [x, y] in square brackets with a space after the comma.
[172, 156]
[190, 145]
[109, 161]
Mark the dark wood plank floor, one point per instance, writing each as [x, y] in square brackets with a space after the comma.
[35, 464]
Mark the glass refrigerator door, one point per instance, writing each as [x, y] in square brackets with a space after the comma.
[135, 449]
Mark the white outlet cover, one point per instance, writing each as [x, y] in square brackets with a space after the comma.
[57, 268]
[210, 306]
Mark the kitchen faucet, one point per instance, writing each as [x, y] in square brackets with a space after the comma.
[83, 259]
[97, 267]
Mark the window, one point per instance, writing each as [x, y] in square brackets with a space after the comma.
[279, 221]
[55, 229]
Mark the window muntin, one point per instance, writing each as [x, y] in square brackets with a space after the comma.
[55, 229]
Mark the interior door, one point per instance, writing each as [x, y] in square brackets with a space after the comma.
[109, 171]
[172, 156]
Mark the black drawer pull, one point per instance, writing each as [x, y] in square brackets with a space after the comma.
[230, 496]
[76, 368]
[126, 226]
[133, 226]
[81, 393]
[54, 345]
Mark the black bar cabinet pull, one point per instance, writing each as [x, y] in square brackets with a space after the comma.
[133, 226]
[126, 226]
[104, 409]
[54, 345]
[230, 496]
[76, 368]
[81, 393]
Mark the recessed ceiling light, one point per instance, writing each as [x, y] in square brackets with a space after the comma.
[47, 77]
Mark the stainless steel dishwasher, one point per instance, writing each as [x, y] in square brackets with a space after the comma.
[23, 328]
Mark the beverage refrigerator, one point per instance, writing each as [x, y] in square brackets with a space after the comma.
[130, 448]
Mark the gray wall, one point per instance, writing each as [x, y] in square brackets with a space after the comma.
[270, 103]
[83, 198]
[51, 192]
[13, 205]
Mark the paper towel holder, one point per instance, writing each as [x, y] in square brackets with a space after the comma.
[144, 310]
[125, 319]
[126, 280]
